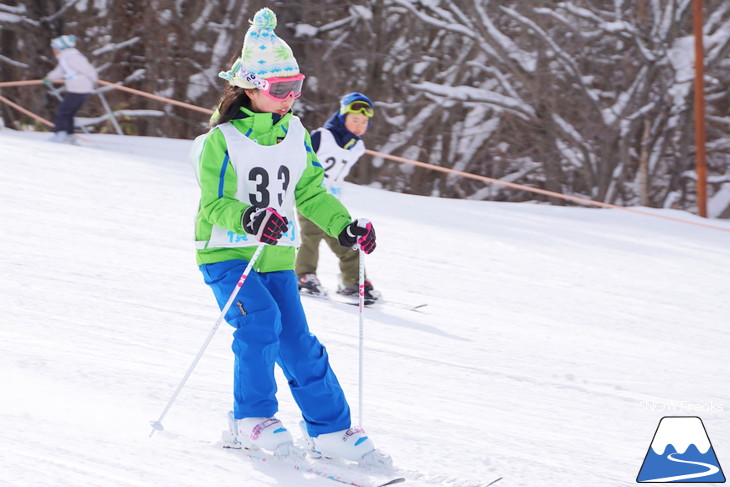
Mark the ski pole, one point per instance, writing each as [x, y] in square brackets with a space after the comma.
[157, 425]
[361, 286]
[108, 109]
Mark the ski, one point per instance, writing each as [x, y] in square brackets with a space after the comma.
[353, 474]
[421, 479]
[370, 303]
[377, 301]
[348, 301]
[392, 482]
[344, 474]
[299, 458]
[323, 295]
[409, 307]
[337, 299]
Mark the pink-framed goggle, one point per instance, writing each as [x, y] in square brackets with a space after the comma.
[283, 88]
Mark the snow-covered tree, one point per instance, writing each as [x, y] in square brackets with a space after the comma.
[568, 96]
[585, 97]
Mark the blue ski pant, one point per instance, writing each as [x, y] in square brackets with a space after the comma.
[271, 327]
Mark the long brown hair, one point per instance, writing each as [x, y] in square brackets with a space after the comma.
[230, 103]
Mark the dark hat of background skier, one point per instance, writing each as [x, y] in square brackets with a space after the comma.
[350, 98]
[336, 123]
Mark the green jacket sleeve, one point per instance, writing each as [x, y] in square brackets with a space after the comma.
[313, 200]
[218, 183]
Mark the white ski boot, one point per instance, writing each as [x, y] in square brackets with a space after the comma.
[60, 136]
[351, 444]
[253, 433]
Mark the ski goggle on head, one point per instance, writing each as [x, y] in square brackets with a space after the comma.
[358, 107]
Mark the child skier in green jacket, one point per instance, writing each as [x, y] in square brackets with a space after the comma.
[256, 165]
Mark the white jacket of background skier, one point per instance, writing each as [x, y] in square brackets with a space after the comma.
[76, 70]
[336, 161]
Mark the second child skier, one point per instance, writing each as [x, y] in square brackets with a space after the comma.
[338, 145]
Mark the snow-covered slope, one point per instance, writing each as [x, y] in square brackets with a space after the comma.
[553, 341]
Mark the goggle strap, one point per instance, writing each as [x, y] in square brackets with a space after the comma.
[249, 77]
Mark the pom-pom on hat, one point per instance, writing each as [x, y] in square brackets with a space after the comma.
[264, 55]
[63, 42]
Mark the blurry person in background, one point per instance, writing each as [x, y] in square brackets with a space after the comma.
[80, 78]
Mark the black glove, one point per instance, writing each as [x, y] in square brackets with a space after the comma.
[266, 224]
[358, 233]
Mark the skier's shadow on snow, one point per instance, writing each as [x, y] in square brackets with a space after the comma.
[381, 314]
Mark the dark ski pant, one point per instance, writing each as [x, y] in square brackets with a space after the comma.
[308, 253]
[271, 328]
[70, 105]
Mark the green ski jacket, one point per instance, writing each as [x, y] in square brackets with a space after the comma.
[219, 205]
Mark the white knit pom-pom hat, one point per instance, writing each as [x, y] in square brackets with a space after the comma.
[264, 55]
[64, 42]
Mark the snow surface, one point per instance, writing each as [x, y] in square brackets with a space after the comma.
[553, 341]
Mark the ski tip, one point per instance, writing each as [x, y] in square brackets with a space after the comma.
[392, 482]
